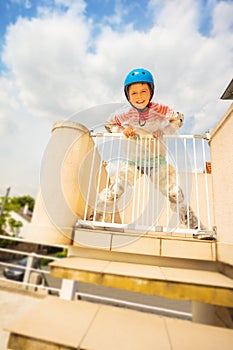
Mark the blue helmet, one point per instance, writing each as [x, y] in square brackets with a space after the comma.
[139, 75]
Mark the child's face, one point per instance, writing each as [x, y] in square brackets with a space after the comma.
[139, 95]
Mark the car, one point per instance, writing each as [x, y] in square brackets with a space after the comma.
[16, 273]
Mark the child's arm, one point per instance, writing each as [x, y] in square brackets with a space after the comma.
[114, 125]
[170, 121]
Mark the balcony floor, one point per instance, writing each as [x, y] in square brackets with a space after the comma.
[13, 303]
[100, 327]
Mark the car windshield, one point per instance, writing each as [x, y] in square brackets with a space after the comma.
[23, 262]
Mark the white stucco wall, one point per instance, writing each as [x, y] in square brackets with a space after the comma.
[221, 144]
[60, 199]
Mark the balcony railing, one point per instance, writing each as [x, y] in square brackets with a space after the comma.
[34, 276]
[148, 184]
[46, 285]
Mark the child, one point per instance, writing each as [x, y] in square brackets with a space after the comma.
[142, 118]
[153, 118]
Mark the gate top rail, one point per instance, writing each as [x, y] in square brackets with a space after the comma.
[205, 136]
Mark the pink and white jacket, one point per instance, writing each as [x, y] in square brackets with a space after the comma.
[155, 117]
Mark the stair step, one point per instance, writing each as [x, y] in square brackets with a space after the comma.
[171, 282]
[56, 324]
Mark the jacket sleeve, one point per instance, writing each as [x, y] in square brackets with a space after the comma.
[163, 111]
[118, 121]
[111, 125]
[174, 119]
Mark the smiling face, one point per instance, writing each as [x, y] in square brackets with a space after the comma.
[139, 95]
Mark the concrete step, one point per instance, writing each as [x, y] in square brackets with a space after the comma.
[171, 282]
[56, 324]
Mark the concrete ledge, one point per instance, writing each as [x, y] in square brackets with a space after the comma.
[176, 283]
[150, 243]
[57, 324]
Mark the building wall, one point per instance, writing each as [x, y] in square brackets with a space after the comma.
[221, 144]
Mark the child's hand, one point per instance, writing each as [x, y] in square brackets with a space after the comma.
[128, 132]
[158, 133]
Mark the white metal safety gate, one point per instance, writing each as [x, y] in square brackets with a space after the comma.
[149, 184]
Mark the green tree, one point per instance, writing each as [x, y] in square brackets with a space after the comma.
[14, 225]
[4, 242]
[20, 202]
[12, 204]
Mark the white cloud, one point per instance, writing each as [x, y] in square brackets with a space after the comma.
[45, 56]
[56, 65]
[223, 19]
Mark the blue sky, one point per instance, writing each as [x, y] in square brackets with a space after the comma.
[96, 9]
[135, 12]
[58, 57]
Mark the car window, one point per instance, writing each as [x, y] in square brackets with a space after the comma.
[23, 262]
